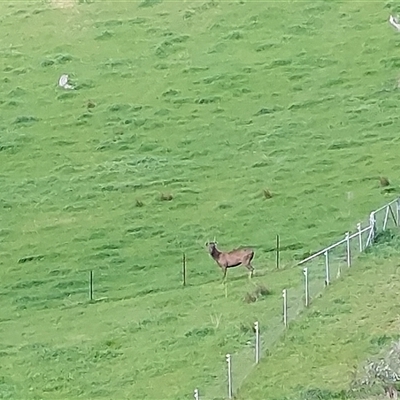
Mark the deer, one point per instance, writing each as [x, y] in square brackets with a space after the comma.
[233, 258]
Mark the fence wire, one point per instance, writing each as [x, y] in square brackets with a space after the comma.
[387, 216]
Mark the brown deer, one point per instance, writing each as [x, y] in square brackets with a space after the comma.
[232, 258]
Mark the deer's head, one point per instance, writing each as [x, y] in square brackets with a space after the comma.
[211, 245]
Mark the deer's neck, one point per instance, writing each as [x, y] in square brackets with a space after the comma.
[215, 253]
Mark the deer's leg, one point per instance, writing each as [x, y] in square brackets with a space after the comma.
[225, 270]
[250, 268]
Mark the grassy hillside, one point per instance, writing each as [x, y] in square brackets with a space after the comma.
[205, 103]
[324, 352]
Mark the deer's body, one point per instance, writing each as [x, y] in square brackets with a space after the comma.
[232, 258]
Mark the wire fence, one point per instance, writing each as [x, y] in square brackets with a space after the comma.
[316, 272]
[319, 271]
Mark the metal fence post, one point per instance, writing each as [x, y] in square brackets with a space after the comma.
[307, 301]
[386, 218]
[348, 251]
[91, 285]
[327, 273]
[398, 211]
[257, 332]
[285, 317]
[229, 365]
[278, 245]
[360, 237]
[184, 269]
[372, 224]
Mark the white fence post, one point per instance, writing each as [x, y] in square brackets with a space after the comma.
[398, 211]
[348, 252]
[385, 220]
[257, 332]
[229, 364]
[285, 317]
[196, 394]
[327, 273]
[307, 294]
[372, 224]
[360, 237]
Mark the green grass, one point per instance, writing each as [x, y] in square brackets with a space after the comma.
[209, 102]
[324, 351]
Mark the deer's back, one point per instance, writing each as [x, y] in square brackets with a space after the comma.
[236, 257]
[241, 252]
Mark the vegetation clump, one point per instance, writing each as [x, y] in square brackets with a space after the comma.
[381, 375]
[259, 291]
[267, 194]
[166, 197]
[384, 181]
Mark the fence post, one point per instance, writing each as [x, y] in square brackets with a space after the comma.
[398, 211]
[285, 318]
[257, 332]
[327, 273]
[372, 224]
[91, 285]
[277, 251]
[348, 251]
[196, 394]
[385, 220]
[229, 364]
[360, 237]
[305, 271]
[184, 269]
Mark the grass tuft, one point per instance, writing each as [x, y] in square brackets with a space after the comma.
[166, 196]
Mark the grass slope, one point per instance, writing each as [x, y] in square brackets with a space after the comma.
[321, 353]
[210, 102]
